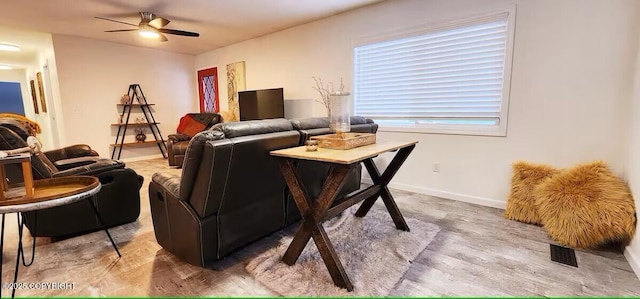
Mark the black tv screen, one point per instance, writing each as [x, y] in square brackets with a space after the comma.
[261, 104]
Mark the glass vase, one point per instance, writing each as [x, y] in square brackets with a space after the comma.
[340, 113]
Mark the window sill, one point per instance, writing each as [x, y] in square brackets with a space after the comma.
[469, 131]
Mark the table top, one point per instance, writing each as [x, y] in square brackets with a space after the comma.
[53, 192]
[349, 156]
[15, 158]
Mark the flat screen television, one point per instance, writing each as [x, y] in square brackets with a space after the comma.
[261, 104]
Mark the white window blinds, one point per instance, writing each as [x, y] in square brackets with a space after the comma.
[451, 76]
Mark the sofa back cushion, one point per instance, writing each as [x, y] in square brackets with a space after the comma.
[223, 173]
[323, 122]
[315, 126]
[310, 123]
[193, 159]
[10, 140]
[16, 126]
[253, 127]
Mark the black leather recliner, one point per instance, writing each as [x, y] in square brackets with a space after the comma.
[63, 158]
[231, 191]
[118, 201]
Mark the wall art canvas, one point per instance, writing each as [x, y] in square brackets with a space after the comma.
[235, 82]
[43, 102]
[34, 97]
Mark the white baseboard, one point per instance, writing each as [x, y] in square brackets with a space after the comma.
[633, 260]
[141, 158]
[483, 201]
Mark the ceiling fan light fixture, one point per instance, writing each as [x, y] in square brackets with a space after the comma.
[147, 33]
[9, 47]
[5, 67]
[151, 27]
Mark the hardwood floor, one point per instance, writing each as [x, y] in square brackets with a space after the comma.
[477, 253]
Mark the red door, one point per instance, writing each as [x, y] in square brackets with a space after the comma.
[208, 87]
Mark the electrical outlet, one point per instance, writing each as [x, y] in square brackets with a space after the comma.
[436, 167]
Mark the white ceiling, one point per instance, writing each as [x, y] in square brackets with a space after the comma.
[219, 22]
[31, 43]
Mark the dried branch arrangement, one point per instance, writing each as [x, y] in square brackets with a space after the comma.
[326, 91]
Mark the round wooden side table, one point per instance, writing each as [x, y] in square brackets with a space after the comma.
[48, 193]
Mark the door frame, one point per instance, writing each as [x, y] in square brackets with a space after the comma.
[205, 73]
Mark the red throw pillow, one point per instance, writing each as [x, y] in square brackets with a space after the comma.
[189, 126]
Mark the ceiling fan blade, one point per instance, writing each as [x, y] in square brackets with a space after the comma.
[158, 22]
[121, 30]
[178, 32]
[101, 18]
[163, 38]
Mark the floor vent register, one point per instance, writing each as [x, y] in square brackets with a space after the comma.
[563, 255]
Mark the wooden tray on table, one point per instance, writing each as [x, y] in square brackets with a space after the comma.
[345, 141]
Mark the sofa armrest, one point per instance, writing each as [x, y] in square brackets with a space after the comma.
[91, 169]
[65, 164]
[374, 128]
[178, 137]
[171, 183]
[74, 151]
[179, 230]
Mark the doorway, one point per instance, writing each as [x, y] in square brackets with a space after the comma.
[11, 98]
[208, 89]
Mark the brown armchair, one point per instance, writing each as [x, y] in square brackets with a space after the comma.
[190, 125]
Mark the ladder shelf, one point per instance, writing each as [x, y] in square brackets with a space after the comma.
[135, 94]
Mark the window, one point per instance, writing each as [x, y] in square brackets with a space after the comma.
[452, 79]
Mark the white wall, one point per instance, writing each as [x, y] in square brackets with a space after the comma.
[93, 75]
[570, 85]
[632, 252]
[56, 119]
[46, 120]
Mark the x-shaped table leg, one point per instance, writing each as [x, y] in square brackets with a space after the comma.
[383, 180]
[312, 215]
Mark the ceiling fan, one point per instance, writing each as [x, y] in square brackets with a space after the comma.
[151, 26]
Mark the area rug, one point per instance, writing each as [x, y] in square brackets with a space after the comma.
[374, 253]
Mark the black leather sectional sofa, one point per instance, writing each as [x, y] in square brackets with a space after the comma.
[231, 191]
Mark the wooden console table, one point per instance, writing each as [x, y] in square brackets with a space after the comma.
[314, 213]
